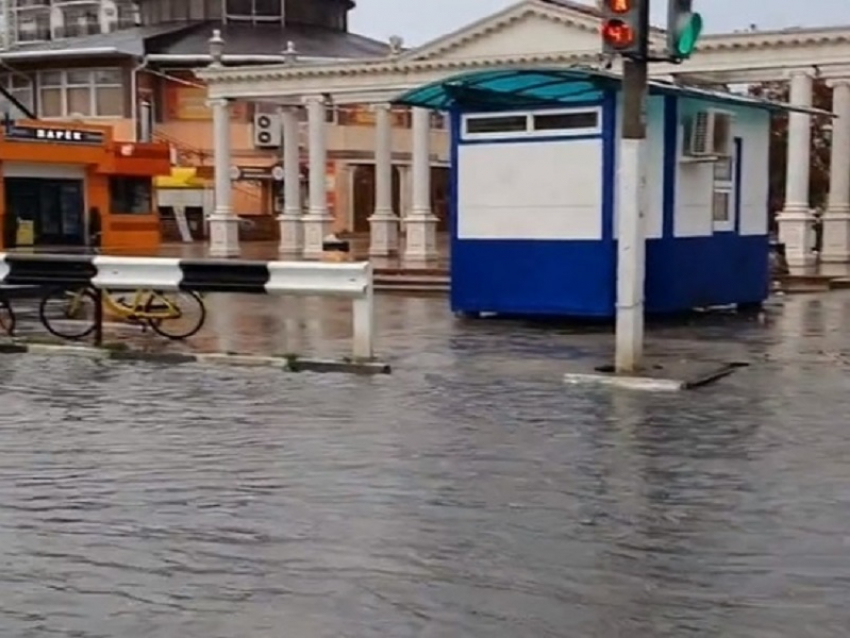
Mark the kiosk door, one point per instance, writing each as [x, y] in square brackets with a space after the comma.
[55, 207]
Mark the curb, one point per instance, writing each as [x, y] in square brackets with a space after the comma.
[287, 363]
[652, 384]
[646, 384]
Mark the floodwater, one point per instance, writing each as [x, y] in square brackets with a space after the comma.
[469, 494]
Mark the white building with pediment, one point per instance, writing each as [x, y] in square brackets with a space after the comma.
[531, 32]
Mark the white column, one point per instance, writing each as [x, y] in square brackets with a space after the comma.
[383, 237]
[224, 225]
[405, 182]
[317, 222]
[420, 223]
[795, 221]
[836, 219]
[631, 254]
[291, 229]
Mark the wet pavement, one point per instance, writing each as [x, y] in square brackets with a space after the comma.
[469, 494]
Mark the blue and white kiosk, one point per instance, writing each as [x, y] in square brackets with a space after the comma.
[534, 164]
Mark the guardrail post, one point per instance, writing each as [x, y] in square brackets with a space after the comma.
[363, 312]
[98, 317]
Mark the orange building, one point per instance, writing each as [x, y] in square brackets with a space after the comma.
[134, 71]
[57, 182]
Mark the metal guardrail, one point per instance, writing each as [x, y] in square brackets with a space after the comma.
[352, 281]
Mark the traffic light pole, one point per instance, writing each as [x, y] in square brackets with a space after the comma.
[631, 207]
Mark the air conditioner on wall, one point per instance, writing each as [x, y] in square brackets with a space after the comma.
[708, 136]
[267, 132]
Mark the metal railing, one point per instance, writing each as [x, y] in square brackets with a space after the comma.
[353, 281]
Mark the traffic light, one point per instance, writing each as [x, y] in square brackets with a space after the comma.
[683, 29]
[623, 28]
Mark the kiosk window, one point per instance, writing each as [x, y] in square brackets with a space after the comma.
[131, 195]
[566, 121]
[724, 187]
[497, 124]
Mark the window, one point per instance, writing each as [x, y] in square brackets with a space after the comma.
[561, 123]
[81, 93]
[267, 8]
[566, 121]
[131, 196]
[497, 124]
[32, 25]
[724, 182]
[439, 122]
[128, 15]
[253, 10]
[19, 86]
[78, 21]
[332, 114]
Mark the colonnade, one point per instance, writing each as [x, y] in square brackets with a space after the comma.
[302, 231]
[796, 220]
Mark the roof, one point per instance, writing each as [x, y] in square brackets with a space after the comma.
[269, 39]
[129, 42]
[547, 87]
[192, 38]
[578, 7]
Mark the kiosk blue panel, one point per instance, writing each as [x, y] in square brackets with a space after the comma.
[534, 185]
[543, 275]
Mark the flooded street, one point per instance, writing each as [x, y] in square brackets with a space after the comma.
[469, 494]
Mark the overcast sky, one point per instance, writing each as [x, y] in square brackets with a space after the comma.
[432, 18]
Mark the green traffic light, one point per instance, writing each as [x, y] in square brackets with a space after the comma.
[688, 35]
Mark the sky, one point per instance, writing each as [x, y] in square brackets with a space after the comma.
[433, 18]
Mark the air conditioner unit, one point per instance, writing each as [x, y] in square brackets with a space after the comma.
[267, 132]
[709, 135]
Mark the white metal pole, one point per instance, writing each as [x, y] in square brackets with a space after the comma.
[631, 254]
[631, 206]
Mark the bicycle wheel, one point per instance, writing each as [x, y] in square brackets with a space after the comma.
[69, 314]
[188, 321]
[7, 317]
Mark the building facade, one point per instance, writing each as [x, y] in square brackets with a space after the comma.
[564, 33]
[132, 65]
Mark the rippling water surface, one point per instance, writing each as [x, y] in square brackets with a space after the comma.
[468, 494]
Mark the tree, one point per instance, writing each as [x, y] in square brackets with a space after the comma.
[821, 142]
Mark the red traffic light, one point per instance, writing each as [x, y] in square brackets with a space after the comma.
[618, 34]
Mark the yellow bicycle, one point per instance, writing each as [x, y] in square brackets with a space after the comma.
[72, 314]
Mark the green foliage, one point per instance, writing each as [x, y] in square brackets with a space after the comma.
[821, 139]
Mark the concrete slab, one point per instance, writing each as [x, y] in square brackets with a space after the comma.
[119, 352]
[669, 376]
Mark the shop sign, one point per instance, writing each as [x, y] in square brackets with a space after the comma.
[257, 173]
[50, 134]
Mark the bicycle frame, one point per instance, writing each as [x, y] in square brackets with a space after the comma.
[140, 306]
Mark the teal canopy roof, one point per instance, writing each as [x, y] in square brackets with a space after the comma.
[531, 87]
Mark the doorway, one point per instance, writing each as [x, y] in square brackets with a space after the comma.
[364, 195]
[441, 196]
[51, 209]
